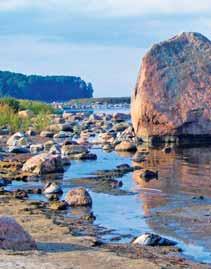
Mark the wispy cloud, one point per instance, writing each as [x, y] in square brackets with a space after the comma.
[100, 40]
[113, 7]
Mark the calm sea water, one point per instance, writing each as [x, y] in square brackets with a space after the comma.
[169, 206]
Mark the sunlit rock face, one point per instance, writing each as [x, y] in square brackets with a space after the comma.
[172, 96]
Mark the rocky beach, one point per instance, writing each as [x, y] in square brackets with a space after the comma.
[61, 185]
[84, 188]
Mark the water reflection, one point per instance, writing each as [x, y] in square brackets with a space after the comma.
[182, 170]
[168, 201]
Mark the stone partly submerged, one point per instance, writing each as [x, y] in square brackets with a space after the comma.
[172, 97]
[78, 197]
[149, 239]
[13, 236]
[43, 163]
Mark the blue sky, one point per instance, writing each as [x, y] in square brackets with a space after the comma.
[101, 41]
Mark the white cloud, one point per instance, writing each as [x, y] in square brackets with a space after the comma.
[112, 7]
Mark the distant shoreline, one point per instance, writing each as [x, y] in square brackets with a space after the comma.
[100, 100]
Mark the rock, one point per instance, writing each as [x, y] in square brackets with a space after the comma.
[20, 150]
[123, 166]
[13, 236]
[84, 156]
[58, 120]
[125, 146]
[46, 134]
[36, 148]
[90, 217]
[48, 145]
[95, 117]
[120, 117]
[20, 194]
[139, 157]
[55, 149]
[120, 127]
[43, 163]
[149, 239]
[52, 187]
[108, 147]
[173, 87]
[68, 150]
[58, 205]
[17, 139]
[52, 196]
[66, 161]
[24, 114]
[78, 197]
[4, 131]
[116, 184]
[66, 127]
[31, 133]
[149, 175]
[62, 134]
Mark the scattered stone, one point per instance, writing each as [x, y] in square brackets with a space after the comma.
[34, 149]
[20, 194]
[48, 145]
[120, 117]
[65, 127]
[123, 166]
[58, 205]
[120, 127]
[62, 134]
[68, 150]
[24, 114]
[13, 236]
[16, 140]
[31, 133]
[84, 156]
[78, 197]
[125, 146]
[149, 239]
[43, 163]
[52, 187]
[55, 149]
[18, 150]
[47, 134]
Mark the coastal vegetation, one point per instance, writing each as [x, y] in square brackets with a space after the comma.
[20, 115]
[43, 88]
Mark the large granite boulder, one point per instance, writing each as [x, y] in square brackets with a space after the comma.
[172, 95]
[43, 163]
[13, 236]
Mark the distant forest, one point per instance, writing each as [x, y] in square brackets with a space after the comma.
[43, 88]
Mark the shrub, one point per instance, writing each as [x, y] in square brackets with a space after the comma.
[41, 121]
[11, 102]
[35, 106]
[9, 118]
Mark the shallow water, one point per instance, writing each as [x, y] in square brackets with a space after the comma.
[164, 206]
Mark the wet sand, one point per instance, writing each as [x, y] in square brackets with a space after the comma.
[58, 249]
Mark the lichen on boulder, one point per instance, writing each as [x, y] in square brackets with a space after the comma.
[172, 94]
